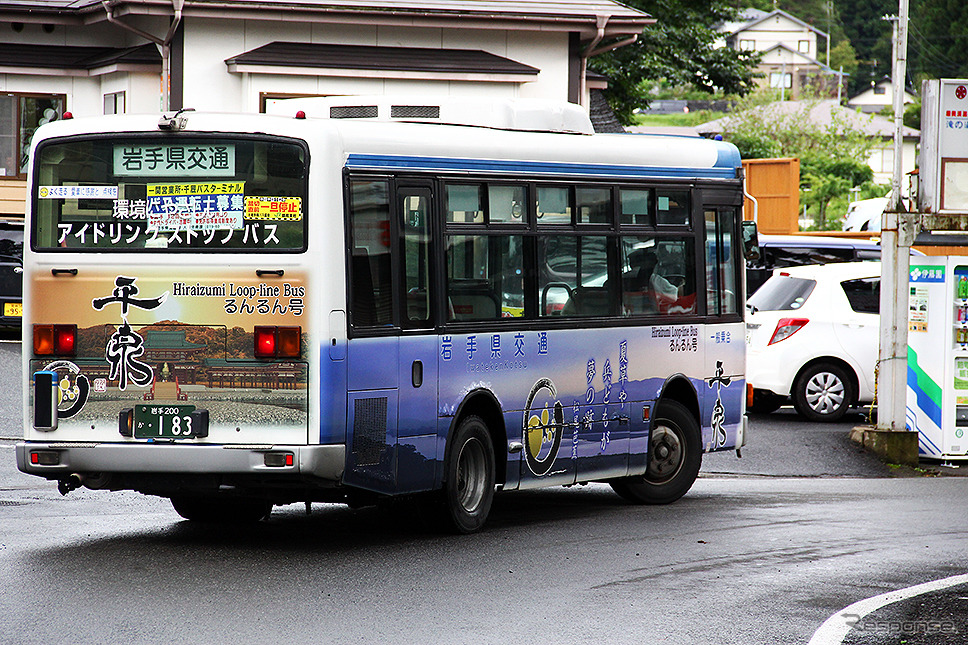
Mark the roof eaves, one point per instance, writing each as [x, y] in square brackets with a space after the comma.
[542, 15]
[327, 56]
[780, 12]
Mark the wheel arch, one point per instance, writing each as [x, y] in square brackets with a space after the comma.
[680, 389]
[482, 403]
[832, 360]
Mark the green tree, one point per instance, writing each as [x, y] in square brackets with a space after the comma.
[842, 55]
[938, 39]
[678, 49]
[833, 154]
[824, 179]
[870, 36]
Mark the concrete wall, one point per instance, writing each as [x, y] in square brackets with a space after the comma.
[208, 84]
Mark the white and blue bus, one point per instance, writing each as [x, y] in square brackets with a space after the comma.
[241, 311]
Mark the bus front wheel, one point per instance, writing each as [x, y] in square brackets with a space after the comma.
[469, 485]
[221, 511]
[675, 455]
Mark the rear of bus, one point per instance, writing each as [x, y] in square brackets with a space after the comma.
[166, 343]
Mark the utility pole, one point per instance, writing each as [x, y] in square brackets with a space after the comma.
[897, 235]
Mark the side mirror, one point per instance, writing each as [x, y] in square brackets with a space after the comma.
[751, 242]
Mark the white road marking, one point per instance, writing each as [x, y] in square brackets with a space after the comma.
[835, 629]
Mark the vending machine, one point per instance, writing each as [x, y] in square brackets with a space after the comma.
[937, 373]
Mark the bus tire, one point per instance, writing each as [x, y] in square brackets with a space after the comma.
[469, 477]
[213, 510]
[675, 455]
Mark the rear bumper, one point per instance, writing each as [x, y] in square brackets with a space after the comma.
[323, 462]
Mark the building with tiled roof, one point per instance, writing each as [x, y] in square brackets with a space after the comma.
[93, 57]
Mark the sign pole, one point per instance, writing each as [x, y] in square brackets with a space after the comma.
[897, 235]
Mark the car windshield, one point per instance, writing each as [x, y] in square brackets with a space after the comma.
[781, 293]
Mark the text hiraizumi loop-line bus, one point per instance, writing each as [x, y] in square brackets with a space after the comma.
[240, 311]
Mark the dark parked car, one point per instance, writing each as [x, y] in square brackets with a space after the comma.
[781, 251]
[11, 272]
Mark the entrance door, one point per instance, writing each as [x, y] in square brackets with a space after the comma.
[392, 358]
[417, 418]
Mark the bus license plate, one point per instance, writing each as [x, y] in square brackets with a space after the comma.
[13, 309]
[164, 421]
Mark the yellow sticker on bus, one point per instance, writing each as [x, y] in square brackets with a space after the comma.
[273, 208]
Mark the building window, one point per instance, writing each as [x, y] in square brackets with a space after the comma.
[779, 79]
[114, 103]
[803, 46]
[271, 98]
[20, 116]
[880, 90]
[887, 160]
[747, 45]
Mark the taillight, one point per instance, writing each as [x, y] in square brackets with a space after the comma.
[278, 342]
[786, 327]
[55, 340]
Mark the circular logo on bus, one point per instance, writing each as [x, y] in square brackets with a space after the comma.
[72, 388]
[543, 427]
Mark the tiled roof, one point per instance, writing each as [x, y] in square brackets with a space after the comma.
[383, 58]
[824, 113]
[67, 57]
[489, 7]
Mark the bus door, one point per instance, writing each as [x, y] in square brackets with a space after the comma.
[417, 419]
[725, 343]
[392, 372]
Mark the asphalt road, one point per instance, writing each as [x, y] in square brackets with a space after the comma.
[764, 549]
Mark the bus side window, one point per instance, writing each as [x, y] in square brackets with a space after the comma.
[722, 288]
[657, 276]
[485, 277]
[370, 269]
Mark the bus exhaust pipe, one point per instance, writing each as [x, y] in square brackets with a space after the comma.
[70, 483]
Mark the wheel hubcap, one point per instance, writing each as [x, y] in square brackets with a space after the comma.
[471, 475]
[666, 454]
[825, 393]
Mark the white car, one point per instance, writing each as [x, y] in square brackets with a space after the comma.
[865, 214]
[812, 335]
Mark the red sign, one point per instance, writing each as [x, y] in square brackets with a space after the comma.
[961, 92]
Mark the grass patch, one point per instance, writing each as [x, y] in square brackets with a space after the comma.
[679, 119]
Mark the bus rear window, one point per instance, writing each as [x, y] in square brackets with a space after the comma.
[179, 193]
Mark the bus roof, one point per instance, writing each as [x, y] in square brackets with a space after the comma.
[399, 146]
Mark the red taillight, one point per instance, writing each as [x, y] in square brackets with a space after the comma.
[55, 340]
[786, 327]
[278, 342]
[265, 341]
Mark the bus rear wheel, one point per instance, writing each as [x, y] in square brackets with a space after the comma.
[215, 510]
[469, 471]
[675, 455]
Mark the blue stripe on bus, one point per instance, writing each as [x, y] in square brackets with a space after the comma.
[727, 156]
[721, 171]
